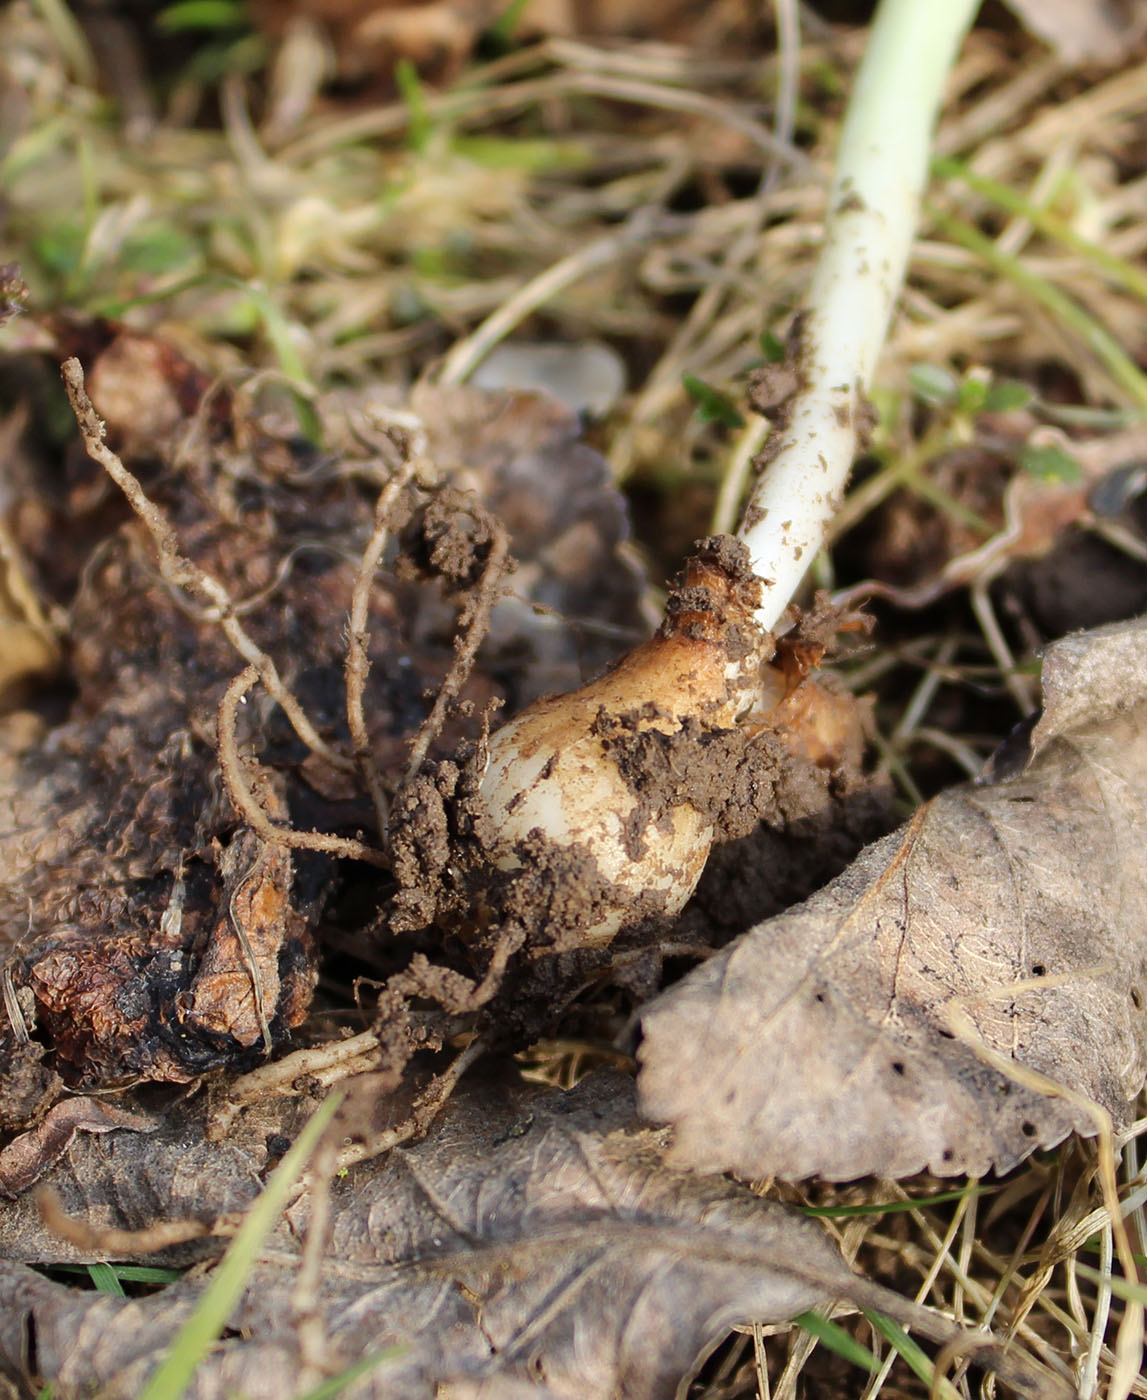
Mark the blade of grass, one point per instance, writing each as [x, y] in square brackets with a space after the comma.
[328, 1389]
[1121, 1287]
[173, 1374]
[913, 1354]
[834, 1337]
[888, 1207]
[1118, 270]
[290, 361]
[1119, 365]
[125, 1273]
[105, 1279]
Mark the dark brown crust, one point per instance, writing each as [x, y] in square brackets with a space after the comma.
[715, 593]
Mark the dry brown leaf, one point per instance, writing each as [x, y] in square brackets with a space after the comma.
[533, 1241]
[25, 1159]
[847, 1036]
[534, 1244]
[1084, 31]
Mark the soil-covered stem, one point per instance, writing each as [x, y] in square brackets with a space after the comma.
[881, 169]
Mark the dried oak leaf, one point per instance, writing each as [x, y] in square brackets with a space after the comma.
[1006, 924]
[534, 1243]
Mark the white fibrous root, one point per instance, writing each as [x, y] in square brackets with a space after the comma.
[595, 810]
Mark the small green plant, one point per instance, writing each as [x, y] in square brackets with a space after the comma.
[712, 405]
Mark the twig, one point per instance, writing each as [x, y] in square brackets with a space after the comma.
[247, 804]
[357, 659]
[474, 623]
[180, 573]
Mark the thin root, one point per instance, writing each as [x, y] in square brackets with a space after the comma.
[474, 624]
[423, 1112]
[323, 1062]
[117, 1244]
[180, 573]
[357, 660]
[247, 804]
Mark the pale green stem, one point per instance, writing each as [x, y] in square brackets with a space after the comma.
[881, 170]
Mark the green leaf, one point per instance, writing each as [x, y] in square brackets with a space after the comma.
[972, 395]
[712, 405]
[201, 14]
[934, 384]
[1051, 464]
[1007, 395]
[772, 347]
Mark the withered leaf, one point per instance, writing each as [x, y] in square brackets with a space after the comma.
[533, 1243]
[853, 1034]
[1083, 31]
[25, 1159]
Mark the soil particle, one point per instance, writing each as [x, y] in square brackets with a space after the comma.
[450, 539]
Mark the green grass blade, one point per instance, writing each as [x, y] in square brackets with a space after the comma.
[890, 1207]
[913, 1354]
[838, 1340]
[1119, 365]
[1117, 270]
[171, 1377]
[1120, 1286]
[290, 361]
[106, 1279]
[337, 1384]
[125, 1273]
